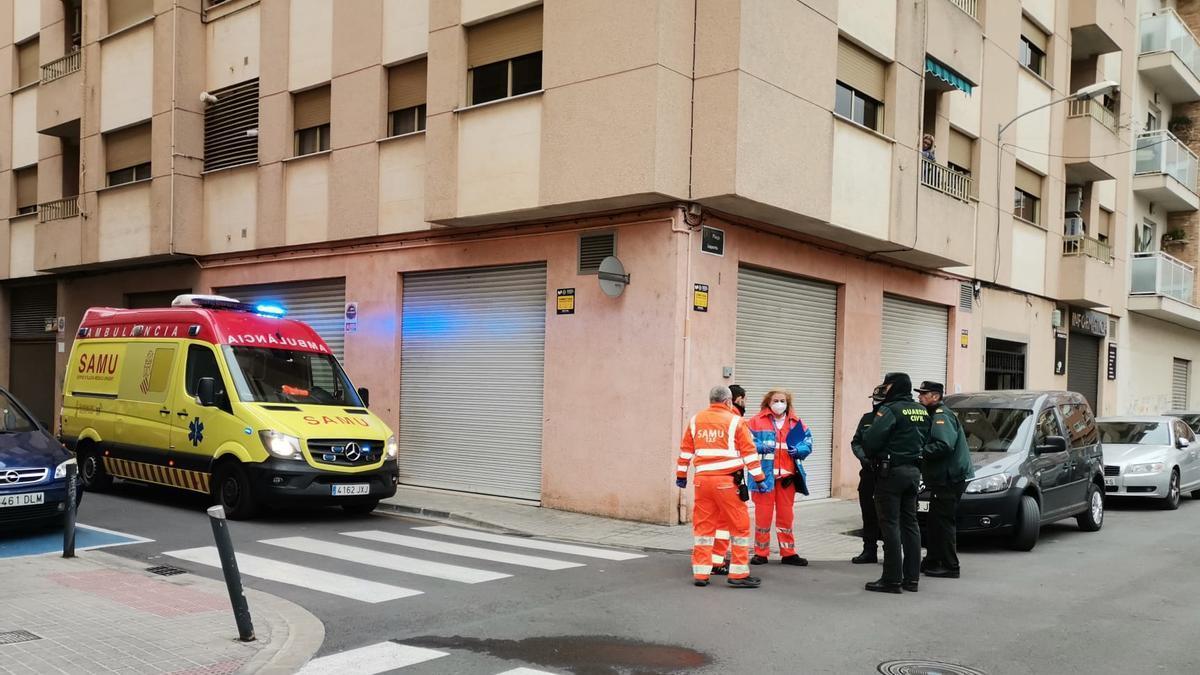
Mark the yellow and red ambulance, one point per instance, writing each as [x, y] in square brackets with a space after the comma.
[224, 398]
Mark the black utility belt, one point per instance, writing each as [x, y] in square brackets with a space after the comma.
[899, 462]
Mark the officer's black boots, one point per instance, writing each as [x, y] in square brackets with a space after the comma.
[794, 560]
[869, 555]
[745, 582]
[910, 586]
[883, 587]
[941, 572]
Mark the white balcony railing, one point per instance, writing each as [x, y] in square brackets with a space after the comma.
[62, 67]
[1164, 31]
[1156, 273]
[58, 209]
[946, 180]
[1094, 109]
[1081, 245]
[1160, 152]
[969, 6]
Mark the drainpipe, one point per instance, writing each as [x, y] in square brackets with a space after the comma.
[688, 231]
[174, 114]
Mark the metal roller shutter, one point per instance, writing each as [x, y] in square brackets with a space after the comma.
[1083, 365]
[1181, 373]
[787, 338]
[320, 304]
[31, 348]
[472, 359]
[29, 307]
[914, 339]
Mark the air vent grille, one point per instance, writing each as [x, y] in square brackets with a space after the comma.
[966, 297]
[229, 125]
[593, 248]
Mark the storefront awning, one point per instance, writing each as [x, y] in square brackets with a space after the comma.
[947, 75]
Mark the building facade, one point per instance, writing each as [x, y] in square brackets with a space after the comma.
[433, 184]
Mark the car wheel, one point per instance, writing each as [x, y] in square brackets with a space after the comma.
[1029, 525]
[233, 491]
[1092, 519]
[92, 475]
[1171, 501]
[360, 508]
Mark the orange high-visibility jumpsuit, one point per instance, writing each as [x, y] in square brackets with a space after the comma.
[718, 442]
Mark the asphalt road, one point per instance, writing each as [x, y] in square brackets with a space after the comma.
[1120, 600]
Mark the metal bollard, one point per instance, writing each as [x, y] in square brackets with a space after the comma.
[69, 512]
[233, 578]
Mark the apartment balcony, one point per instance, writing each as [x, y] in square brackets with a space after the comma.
[1087, 276]
[955, 38]
[1092, 143]
[58, 235]
[60, 96]
[1165, 172]
[1096, 27]
[1163, 287]
[1170, 56]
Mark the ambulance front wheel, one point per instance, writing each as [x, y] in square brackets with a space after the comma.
[232, 490]
[92, 475]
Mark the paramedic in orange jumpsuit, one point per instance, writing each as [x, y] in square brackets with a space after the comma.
[718, 442]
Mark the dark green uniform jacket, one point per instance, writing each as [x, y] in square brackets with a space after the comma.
[946, 459]
[900, 430]
[856, 445]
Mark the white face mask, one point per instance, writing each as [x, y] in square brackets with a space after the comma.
[778, 407]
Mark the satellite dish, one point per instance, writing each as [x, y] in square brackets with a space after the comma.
[613, 278]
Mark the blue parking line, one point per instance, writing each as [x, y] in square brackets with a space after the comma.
[51, 541]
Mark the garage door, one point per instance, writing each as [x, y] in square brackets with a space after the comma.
[787, 338]
[1083, 366]
[472, 359]
[320, 304]
[31, 354]
[914, 339]
[1181, 374]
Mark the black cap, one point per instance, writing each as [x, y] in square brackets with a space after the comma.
[929, 387]
[737, 390]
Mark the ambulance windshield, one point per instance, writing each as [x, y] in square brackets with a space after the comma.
[264, 375]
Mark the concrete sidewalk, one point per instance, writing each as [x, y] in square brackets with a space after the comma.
[821, 526]
[99, 613]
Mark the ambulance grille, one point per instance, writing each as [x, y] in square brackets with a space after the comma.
[13, 637]
[336, 451]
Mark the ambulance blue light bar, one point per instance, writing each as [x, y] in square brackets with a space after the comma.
[270, 310]
[222, 302]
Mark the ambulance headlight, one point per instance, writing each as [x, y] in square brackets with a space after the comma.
[281, 445]
[60, 471]
[392, 447]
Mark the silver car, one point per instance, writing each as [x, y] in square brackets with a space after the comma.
[1156, 457]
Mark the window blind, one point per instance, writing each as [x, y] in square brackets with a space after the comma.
[127, 147]
[859, 70]
[406, 85]
[505, 38]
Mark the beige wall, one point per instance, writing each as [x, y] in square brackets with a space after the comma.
[862, 179]
[127, 78]
[1029, 257]
[307, 215]
[872, 23]
[230, 210]
[24, 128]
[21, 246]
[1029, 138]
[474, 11]
[1150, 347]
[124, 222]
[310, 38]
[232, 48]
[405, 29]
[26, 19]
[402, 184]
[499, 154]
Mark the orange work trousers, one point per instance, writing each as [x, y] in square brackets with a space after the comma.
[776, 505]
[717, 507]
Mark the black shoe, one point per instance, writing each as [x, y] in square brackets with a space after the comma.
[794, 560]
[720, 571]
[883, 587]
[910, 586]
[942, 573]
[869, 555]
[700, 582]
[758, 560]
[745, 582]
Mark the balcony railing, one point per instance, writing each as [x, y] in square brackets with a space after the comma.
[1164, 31]
[62, 67]
[969, 6]
[1160, 152]
[946, 180]
[1081, 245]
[1156, 273]
[58, 209]
[1094, 109]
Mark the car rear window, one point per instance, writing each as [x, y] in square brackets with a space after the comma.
[1135, 433]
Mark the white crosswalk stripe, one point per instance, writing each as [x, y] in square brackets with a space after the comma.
[523, 542]
[463, 551]
[396, 563]
[296, 575]
[370, 660]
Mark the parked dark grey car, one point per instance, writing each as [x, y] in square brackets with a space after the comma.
[1037, 460]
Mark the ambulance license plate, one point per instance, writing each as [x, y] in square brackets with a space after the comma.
[922, 507]
[351, 489]
[23, 499]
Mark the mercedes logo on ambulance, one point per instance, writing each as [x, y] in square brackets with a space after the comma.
[353, 452]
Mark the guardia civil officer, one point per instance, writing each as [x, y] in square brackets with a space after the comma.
[866, 490]
[946, 468]
[893, 444]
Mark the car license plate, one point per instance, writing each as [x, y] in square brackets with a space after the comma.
[351, 489]
[1110, 481]
[23, 499]
[922, 507]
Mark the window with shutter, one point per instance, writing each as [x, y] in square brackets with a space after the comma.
[310, 119]
[1027, 196]
[960, 152]
[229, 126]
[28, 68]
[125, 13]
[127, 154]
[860, 85]
[1032, 47]
[504, 57]
[406, 97]
[26, 189]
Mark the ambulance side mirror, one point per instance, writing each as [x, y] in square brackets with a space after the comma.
[365, 395]
[206, 392]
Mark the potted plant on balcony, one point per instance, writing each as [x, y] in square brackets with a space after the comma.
[1174, 237]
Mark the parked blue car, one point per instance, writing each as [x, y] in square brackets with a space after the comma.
[33, 470]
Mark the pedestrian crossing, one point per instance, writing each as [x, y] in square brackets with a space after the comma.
[487, 557]
[383, 657]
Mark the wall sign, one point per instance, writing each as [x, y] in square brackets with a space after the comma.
[700, 297]
[566, 301]
[1060, 353]
[351, 325]
[1092, 323]
[712, 241]
[1112, 361]
[965, 339]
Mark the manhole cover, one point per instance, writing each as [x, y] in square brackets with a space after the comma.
[165, 570]
[914, 667]
[12, 637]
